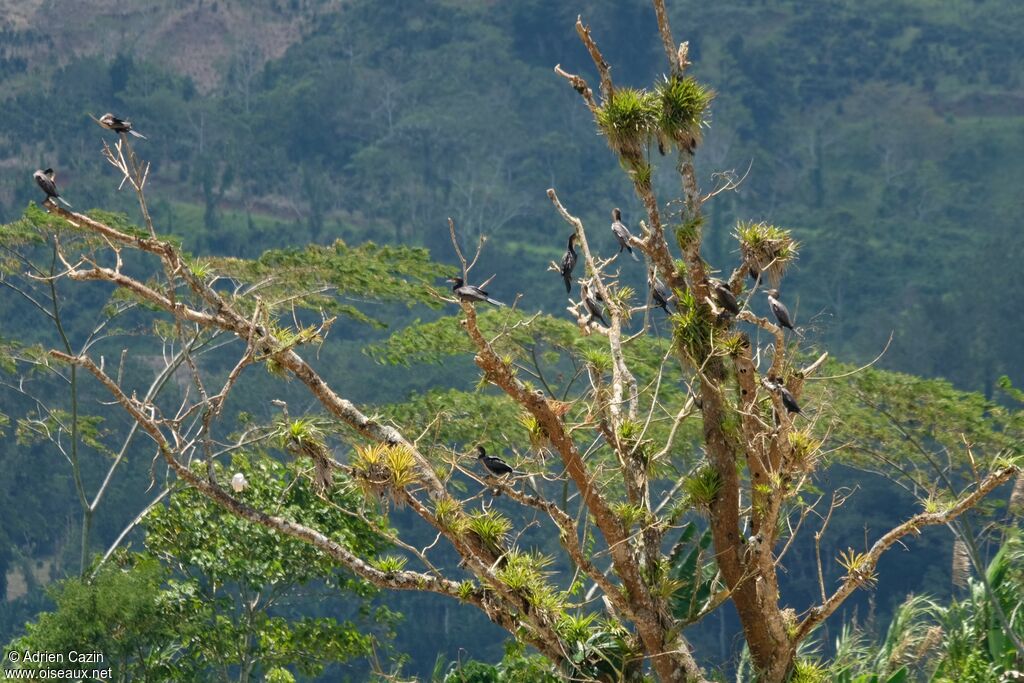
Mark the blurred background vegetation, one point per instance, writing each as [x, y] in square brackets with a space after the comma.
[888, 135]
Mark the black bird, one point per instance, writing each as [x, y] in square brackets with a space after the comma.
[111, 122]
[592, 306]
[471, 293]
[779, 309]
[622, 233]
[754, 272]
[45, 180]
[726, 299]
[788, 400]
[568, 263]
[660, 294]
[493, 465]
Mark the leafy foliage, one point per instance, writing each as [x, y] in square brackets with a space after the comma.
[212, 592]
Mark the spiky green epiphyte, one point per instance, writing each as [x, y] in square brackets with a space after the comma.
[491, 527]
[628, 119]
[630, 433]
[389, 563]
[598, 360]
[629, 515]
[640, 171]
[803, 448]
[855, 564]
[448, 512]
[768, 248]
[574, 628]
[702, 487]
[691, 329]
[598, 651]
[684, 104]
[466, 589]
[305, 436]
[623, 295]
[526, 573]
[733, 344]
[382, 469]
[300, 431]
[809, 671]
[688, 235]
[201, 268]
[539, 439]
[287, 338]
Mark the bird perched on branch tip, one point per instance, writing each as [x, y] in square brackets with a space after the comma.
[568, 263]
[111, 122]
[48, 182]
[471, 293]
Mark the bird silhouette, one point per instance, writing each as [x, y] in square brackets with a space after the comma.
[471, 293]
[111, 122]
[47, 181]
[568, 263]
[622, 233]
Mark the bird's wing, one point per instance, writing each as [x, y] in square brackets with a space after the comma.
[781, 312]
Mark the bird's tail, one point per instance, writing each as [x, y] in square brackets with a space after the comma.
[568, 285]
[632, 253]
[138, 134]
[494, 302]
[63, 201]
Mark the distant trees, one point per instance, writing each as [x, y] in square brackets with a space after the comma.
[675, 472]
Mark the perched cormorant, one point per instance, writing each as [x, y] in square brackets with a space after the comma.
[471, 293]
[788, 400]
[726, 299]
[660, 294]
[45, 180]
[622, 233]
[568, 263]
[111, 122]
[493, 465]
[592, 306]
[779, 309]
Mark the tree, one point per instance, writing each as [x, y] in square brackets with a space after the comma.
[210, 597]
[650, 436]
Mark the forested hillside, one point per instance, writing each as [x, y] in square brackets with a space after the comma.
[887, 135]
[887, 128]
